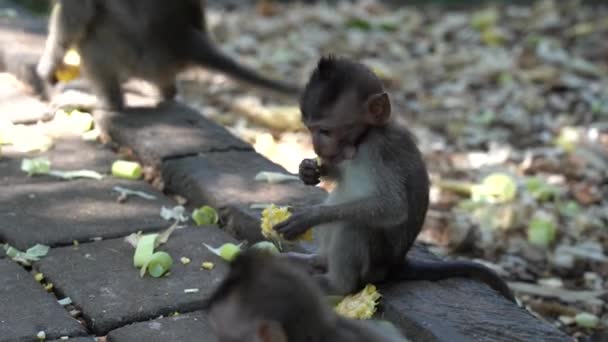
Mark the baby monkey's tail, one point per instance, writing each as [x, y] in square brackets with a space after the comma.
[438, 270]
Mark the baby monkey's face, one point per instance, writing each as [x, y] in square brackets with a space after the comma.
[337, 131]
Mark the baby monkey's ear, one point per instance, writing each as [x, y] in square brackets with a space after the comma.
[378, 109]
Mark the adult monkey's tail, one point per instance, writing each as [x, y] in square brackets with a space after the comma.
[207, 54]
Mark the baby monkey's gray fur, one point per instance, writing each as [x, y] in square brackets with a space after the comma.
[378, 206]
[151, 40]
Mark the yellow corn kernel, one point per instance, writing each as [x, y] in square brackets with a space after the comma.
[273, 215]
[361, 305]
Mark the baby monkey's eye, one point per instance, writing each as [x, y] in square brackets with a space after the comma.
[324, 131]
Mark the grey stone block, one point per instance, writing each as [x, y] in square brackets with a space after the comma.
[191, 327]
[57, 213]
[459, 310]
[101, 280]
[65, 155]
[27, 308]
[170, 130]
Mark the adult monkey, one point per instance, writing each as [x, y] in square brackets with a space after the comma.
[152, 40]
[375, 212]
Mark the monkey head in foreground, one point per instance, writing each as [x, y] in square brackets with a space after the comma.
[265, 299]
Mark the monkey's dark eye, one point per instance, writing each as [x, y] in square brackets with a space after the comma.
[325, 132]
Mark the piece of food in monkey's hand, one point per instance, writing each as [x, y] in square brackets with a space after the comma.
[273, 215]
[205, 215]
[227, 251]
[361, 305]
[309, 171]
[126, 169]
[266, 247]
[70, 69]
[158, 264]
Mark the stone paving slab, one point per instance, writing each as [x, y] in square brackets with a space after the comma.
[167, 131]
[78, 339]
[56, 213]
[17, 105]
[191, 327]
[459, 310]
[27, 308]
[66, 154]
[226, 180]
[101, 280]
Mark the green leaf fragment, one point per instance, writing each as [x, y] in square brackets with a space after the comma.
[541, 231]
[541, 190]
[144, 249]
[274, 177]
[569, 209]
[358, 23]
[586, 320]
[175, 213]
[127, 192]
[32, 254]
[37, 251]
[36, 166]
[495, 188]
[65, 301]
[76, 174]
[227, 251]
[158, 264]
[485, 118]
[205, 215]
[485, 19]
[266, 246]
[126, 169]
[568, 139]
[164, 236]
[389, 26]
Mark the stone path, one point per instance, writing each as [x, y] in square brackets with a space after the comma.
[202, 162]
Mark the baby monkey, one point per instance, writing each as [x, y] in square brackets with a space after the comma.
[378, 206]
[152, 40]
[265, 299]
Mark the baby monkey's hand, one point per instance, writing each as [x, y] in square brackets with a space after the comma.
[309, 172]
